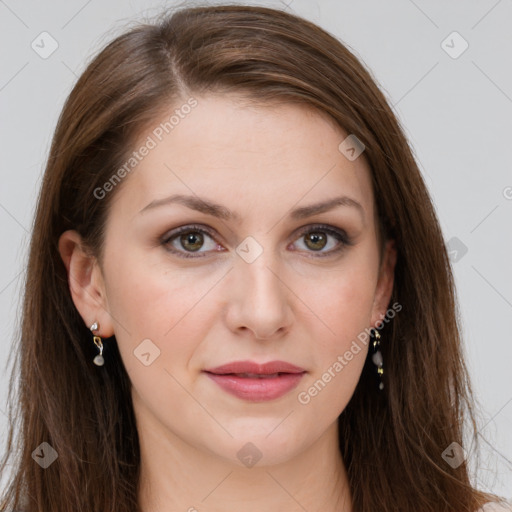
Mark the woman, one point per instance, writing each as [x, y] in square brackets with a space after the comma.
[226, 305]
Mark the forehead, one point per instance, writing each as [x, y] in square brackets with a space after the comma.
[225, 147]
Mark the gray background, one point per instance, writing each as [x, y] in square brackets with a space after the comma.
[456, 111]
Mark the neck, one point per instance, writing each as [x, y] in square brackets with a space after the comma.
[178, 476]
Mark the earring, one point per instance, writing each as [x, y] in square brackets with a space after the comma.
[98, 360]
[377, 356]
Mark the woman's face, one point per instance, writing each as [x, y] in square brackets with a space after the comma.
[260, 275]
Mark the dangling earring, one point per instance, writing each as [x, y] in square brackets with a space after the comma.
[377, 356]
[98, 360]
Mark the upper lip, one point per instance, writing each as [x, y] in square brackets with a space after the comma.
[256, 368]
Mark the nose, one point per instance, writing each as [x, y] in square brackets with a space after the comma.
[259, 301]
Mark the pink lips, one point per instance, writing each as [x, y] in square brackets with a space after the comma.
[257, 382]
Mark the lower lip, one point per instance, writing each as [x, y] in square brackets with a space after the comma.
[257, 390]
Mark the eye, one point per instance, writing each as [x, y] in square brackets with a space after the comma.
[317, 238]
[187, 240]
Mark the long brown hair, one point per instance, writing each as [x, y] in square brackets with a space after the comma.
[391, 442]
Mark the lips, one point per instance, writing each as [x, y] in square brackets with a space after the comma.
[256, 382]
[253, 368]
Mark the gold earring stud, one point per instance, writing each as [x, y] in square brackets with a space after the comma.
[98, 360]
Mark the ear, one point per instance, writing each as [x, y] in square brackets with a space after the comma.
[385, 283]
[86, 283]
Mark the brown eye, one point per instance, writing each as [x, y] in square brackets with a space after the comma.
[323, 240]
[192, 241]
[315, 240]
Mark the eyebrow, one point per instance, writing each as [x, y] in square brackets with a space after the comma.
[208, 207]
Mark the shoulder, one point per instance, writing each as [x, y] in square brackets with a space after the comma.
[496, 507]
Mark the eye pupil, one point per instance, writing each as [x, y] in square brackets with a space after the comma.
[195, 239]
[316, 238]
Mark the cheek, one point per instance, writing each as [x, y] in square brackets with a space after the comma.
[343, 307]
[156, 312]
[341, 347]
[161, 318]
[343, 301]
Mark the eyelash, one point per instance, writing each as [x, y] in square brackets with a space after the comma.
[340, 235]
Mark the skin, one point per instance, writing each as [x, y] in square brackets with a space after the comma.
[289, 304]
